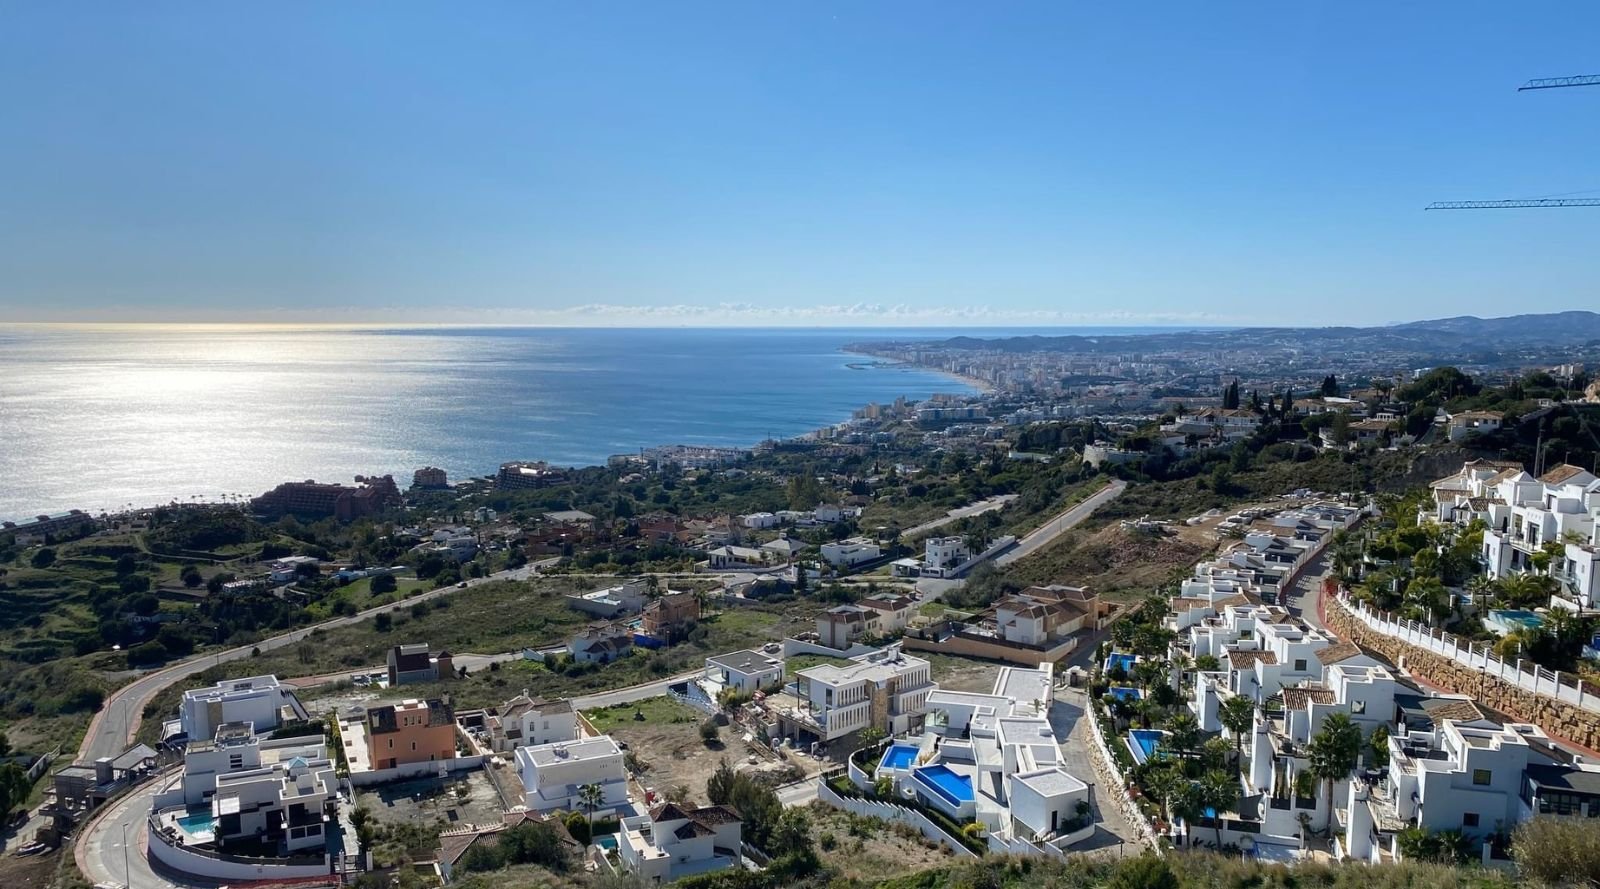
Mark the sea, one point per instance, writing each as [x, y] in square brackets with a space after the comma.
[111, 416]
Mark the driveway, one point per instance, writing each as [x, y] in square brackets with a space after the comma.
[1070, 719]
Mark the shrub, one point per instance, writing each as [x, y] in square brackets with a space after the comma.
[709, 732]
[383, 583]
[1558, 851]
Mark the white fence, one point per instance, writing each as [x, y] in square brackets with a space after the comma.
[1115, 783]
[1526, 675]
[892, 812]
[216, 866]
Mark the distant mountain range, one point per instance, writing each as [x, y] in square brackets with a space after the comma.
[1461, 336]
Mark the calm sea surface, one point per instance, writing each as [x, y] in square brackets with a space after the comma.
[96, 418]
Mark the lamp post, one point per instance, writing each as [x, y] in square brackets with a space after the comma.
[127, 875]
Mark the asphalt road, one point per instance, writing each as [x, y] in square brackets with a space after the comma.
[1303, 597]
[119, 717]
[102, 856]
[1061, 524]
[960, 512]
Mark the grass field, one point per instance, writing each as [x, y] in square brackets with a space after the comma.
[655, 711]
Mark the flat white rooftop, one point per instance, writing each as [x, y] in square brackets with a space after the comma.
[570, 751]
[1024, 686]
[1051, 782]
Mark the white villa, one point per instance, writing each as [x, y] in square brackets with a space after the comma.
[261, 701]
[554, 774]
[1556, 514]
[885, 689]
[672, 842]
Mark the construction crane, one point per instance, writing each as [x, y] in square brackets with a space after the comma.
[1513, 205]
[1550, 83]
[1542, 83]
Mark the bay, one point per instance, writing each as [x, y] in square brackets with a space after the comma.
[102, 417]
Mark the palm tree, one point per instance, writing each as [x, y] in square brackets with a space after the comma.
[1165, 783]
[1219, 792]
[591, 796]
[1148, 672]
[1333, 753]
[1428, 596]
[1183, 732]
[1238, 715]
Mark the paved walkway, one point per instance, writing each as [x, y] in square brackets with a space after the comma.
[1070, 719]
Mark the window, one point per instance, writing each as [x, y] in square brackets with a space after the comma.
[1469, 819]
[1358, 707]
[1300, 665]
[1482, 777]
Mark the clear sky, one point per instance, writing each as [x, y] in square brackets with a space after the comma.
[805, 163]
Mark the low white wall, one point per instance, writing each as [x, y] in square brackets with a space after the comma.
[897, 814]
[1114, 784]
[188, 861]
[793, 646]
[415, 770]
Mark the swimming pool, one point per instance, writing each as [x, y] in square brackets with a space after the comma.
[953, 787]
[1124, 692]
[198, 825]
[1515, 619]
[1143, 743]
[898, 757]
[608, 841]
[1121, 659]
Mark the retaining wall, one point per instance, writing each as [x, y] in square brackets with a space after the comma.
[1559, 703]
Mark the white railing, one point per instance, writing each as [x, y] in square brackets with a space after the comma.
[1525, 675]
[1115, 783]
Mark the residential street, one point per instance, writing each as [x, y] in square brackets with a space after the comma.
[1061, 524]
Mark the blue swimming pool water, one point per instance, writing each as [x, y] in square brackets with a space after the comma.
[1124, 692]
[609, 841]
[955, 788]
[1121, 659]
[1518, 616]
[1143, 743]
[898, 756]
[201, 823]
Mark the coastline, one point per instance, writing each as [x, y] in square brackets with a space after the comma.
[984, 387]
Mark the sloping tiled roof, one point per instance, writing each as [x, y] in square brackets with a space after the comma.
[1455, 709]
[1244, 660]
[1338, 652]
[1561, 473]
[1296, 698]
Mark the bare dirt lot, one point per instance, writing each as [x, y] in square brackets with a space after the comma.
[667, 751]
[961, 673]
[467, 799]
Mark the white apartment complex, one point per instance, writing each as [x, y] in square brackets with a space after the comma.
[1557, 513]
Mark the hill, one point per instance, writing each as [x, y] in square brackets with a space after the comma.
[1444, 338]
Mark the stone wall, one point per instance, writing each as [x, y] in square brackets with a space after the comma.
[1556, 717]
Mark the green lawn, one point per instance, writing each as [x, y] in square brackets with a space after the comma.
[799, 662]
[657, 711]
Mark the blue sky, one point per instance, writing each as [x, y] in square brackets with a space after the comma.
[805, 163]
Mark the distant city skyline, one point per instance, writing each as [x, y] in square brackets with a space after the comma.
[826, 164]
